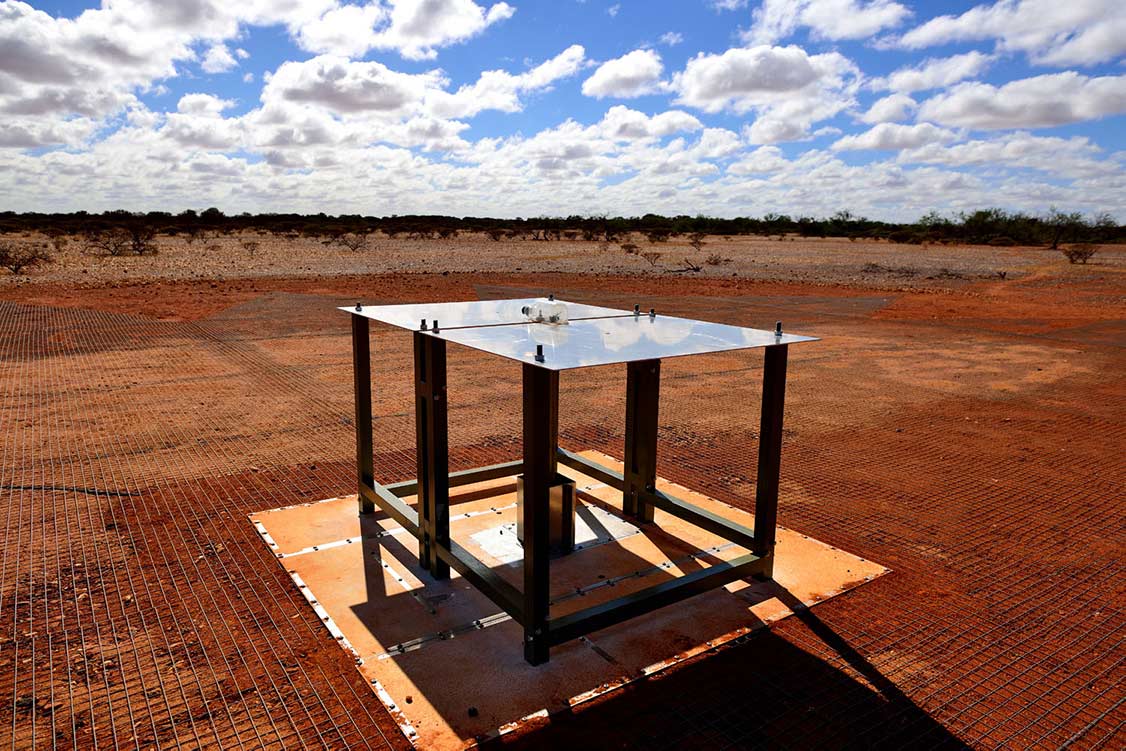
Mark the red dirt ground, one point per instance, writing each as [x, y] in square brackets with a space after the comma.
[971, 438]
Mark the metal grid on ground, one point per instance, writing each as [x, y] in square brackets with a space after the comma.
[986, 470]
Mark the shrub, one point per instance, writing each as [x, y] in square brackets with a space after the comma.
[251, 246]
[354, 242]
[715, 259]
[652, 257]
[1080, 252]
[630, 248]
[17, 257]
[1002, 242]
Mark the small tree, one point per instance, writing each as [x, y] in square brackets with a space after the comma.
[696, 240]
[17, 257]
[630, 248]
[354, 242]
[651, 256]
[251, 247]
[1080, 252]
[142, 236]
[112, 242]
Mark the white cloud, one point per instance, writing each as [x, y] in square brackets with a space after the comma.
[347, 30]
[763, 160]
[1039, 102]
[202, 104]
[788, 88]
[776, 20]
[935, 73]
[344, 85]
[29, 133]
[634, 74]
[1077, 32]
[671, 38]
[500, 90]
[418, 27]
[1075, 157]
[893, 137]
[721, 5]
[218, 59]
[892, 108]
[621, 122]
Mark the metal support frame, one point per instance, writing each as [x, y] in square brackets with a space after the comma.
[530, 607]
[432, 438]
[643, 393]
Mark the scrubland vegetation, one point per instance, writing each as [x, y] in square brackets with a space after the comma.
[122, 232]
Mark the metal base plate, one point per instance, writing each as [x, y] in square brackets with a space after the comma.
[434, 650]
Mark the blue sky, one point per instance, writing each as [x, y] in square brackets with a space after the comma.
[889, 109]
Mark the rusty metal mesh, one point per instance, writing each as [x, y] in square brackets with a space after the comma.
[139, 608]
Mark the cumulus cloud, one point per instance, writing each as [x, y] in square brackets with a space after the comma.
[893, 137]
[671, 38]
[787, 88]
[1078, 32]
[935, 73]
[890, 109]
[621, 122]
[202, 104]
[347, 30]
[1076, 156]
[1039, 102]
[634, 74]
[344, 85]
[775, 20]
[418, 27]
[218, 59]
[501, 90]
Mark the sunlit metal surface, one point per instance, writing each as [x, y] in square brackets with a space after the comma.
[603, 341]
[451, 315]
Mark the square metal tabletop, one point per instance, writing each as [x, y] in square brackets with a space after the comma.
[593, 336]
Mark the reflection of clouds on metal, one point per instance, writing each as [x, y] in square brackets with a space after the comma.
[594, 335]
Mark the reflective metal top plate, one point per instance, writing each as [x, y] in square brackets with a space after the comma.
[603, 341]
[454, 315]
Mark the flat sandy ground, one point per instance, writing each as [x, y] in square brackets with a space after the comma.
[966, 430]
[791, 259]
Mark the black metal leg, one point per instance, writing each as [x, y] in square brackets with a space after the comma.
[361, 376]
[643, 390]
[769, 454]
[541, 431]
[432, 443]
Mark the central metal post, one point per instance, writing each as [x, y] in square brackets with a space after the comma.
[643, 392]
[769, 455]
[541, 433]
[432, 440]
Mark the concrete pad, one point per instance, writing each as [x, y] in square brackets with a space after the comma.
[449, 664]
